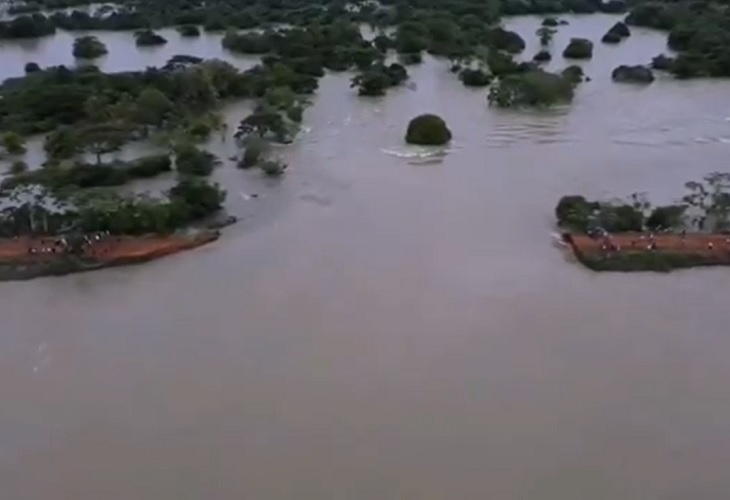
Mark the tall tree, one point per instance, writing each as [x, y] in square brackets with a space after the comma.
[102, 139]
[153, 106]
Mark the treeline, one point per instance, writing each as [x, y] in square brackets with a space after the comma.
[704, 207]
[222, 14]
[698, 29]
[140, 101]
[36, 211]
[84, 175]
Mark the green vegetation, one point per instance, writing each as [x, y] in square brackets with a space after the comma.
[188, 31]
[12, 143]
[81, 175]
[148, 38]
[579, 48]
[265, 123]
[34, 210]
[376, 79]
[88, 47]
[254, 149]
[18, 167]
[140, 101]
[705, 207]
[573, 73]
[577, 214]
[193, 161]
[546, 33]
[616, 33]
[534, 88]
[428, 130]
[628, 261]
[32, 67]
[27, 26]
[662, 63]
[273, 168]
[542, 56]
[700, 32]
[632, 74]
[475, 77]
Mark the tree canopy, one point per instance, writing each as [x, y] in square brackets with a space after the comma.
[536, 88]
[428, 130]
[88, 47]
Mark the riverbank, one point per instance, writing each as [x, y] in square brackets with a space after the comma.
[28, 258]
[640, 252]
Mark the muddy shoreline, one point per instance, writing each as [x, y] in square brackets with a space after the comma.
[636, 252]
[17, 264]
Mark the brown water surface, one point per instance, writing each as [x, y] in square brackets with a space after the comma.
[392, 324]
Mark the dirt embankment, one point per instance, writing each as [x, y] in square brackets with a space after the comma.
[645, 252]
[25, 258]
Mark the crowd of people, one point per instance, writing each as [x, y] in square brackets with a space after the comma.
[88, 244]
[641, 241]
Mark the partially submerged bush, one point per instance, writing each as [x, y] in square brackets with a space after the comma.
[147, 38]
[150, 166]
[574, 73]
[579, 48]
[254, 149]
[273, 168]
[575, 212]
[475, 77]
[376, 80]
[428, 130]
[632, 74]
[88, 47]
[18, 167]
[662, 62]
[534, 88]
[32, 67]
[502, 39]
[611, 38]
[188, 30]
[193, 161]
[542, 56]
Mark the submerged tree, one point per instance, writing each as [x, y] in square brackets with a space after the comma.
[193, 161]
[428, 130]
[88, 47]
[534, 88]
[62, 143]
[545, 34]
[102, 139]
[13, 143]
[264, 123]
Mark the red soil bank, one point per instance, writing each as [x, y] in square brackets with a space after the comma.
[691, 244]
[112, 250]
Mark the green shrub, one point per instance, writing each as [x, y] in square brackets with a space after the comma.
[428, 130]
[579, 48]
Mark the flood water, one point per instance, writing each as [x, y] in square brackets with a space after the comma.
[393, 326]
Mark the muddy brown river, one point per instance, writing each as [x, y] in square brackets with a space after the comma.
[388, 322]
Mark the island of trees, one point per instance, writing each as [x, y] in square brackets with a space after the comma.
[634, 235]
[88, 47]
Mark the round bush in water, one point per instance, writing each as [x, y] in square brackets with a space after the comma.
[542, 56]
[579, 48]
[611, 37]
[632, 74]
[428, 130]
